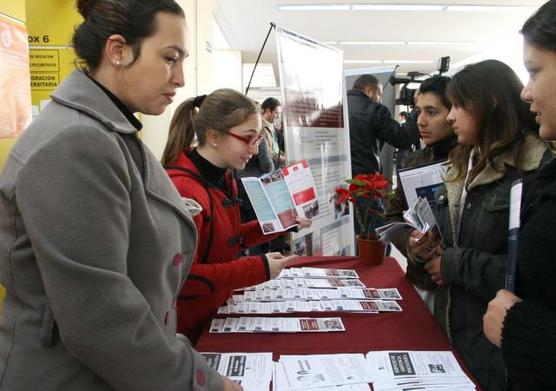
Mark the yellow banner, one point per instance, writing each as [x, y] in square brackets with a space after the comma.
[15, 95]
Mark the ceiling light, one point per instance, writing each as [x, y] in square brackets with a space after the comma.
[363, 61]
[489, 8]
[404, 7]
[398, 7]
[371, 43]
[451, 43]
[408, 62]
[316, 7]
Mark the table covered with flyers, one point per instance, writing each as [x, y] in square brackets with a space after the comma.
[413, 328]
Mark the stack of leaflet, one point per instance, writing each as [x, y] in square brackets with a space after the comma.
[289, 306]
[301, 294]
[321, 372]
[419, 217]
[425, 370]
[312, 290]
[256, 324]
[315, 272]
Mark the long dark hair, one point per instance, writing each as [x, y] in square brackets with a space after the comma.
[220, 111]
[132, 19]
[490, 90]
[540, 29]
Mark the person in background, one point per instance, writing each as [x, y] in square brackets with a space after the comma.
[95, 241]
[228, 129]
[432, 108]
[401, 154]
[271, 109]
[523, 323]
[498, 143]
[370, 125]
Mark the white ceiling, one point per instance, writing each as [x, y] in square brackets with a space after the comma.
[245, 23]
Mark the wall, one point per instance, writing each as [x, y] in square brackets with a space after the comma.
[198, 71]
[50, 24]
[15, 10]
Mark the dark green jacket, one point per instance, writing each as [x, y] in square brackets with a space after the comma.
[473, 265]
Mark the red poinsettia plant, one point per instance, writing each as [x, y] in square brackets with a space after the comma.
[365, 191]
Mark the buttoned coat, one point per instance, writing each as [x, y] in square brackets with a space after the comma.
[217, 269]
[473, 265]
[93, 256]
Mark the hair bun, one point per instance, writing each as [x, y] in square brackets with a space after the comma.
[85, 6]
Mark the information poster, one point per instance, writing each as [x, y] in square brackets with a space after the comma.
[51, 25]
[316, 129]
[15, 95]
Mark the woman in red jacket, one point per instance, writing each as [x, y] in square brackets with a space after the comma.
[228, 129]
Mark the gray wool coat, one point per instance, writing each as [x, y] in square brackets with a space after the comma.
[92, 256]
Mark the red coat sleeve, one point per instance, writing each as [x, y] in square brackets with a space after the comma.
[252, 234]
[207, 278]
[226, 274]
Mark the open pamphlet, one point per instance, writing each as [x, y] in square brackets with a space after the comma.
[252, 370]
[422, 181]
[276, 325]
[280, 196]
[419, 216]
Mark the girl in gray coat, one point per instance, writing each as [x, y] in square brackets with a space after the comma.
[95, 241]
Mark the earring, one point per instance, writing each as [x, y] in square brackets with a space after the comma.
[118, 63]
[215, 145]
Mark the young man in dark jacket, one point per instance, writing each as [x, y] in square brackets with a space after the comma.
[432, 107]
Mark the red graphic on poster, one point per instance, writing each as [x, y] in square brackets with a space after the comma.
[15, 90]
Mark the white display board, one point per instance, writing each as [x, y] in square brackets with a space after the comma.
[316, 129]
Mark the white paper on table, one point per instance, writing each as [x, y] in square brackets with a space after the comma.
[252, 370]
[314, 272]
[391, 364]
[216, 326]
[302, 372]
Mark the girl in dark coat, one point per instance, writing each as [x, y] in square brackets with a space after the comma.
[497, 144]
[523, 324]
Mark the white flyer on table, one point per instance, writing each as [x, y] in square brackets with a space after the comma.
[320, 370]
[252, 370]
[392, 364]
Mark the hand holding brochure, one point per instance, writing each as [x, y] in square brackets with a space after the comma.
[280, 196]
[419, 217]
[422, 181]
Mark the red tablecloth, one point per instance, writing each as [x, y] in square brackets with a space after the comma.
[412, 329]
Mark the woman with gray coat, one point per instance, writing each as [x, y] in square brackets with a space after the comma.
[95, 242]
